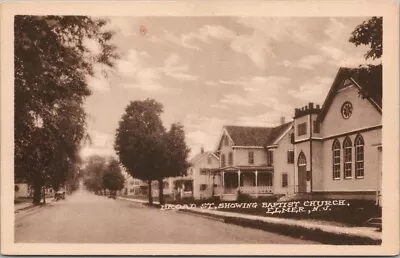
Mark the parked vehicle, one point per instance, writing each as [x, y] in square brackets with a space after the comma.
[59, 195]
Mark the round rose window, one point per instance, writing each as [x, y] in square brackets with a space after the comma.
[347, 110]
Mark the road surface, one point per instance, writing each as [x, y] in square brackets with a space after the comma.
[87, 218]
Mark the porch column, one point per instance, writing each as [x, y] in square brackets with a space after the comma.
[223, 183]
[239, 178]
[256, 177]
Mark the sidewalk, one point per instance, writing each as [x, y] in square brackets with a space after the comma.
[18, 207]
[297, 228]
[23, 206]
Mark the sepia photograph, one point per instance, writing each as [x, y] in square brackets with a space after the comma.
[204, 130]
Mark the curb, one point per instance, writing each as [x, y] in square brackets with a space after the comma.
[315, 234]
[32, 206]
[25, 208]
[217, 218]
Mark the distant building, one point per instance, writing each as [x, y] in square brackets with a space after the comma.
[133, 186]
[22, 189]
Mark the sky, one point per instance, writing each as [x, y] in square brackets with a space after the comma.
[208, 72]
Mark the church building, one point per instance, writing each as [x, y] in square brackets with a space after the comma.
[338, 146]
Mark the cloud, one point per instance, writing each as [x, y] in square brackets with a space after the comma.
[335, 30]
[121, 25]
[309, 62]
[332, 52]
[101, 144]
[314, 90]
[269, 84]
[135, 73]
[219, 106]
[173, 68]
[267, 32]
[266, 119]
[354, 61]
[207, 32]
[203, 131]
[211, 83]
[236, 100]
[255, 46]
[204, 34]
[180, 41]
[258, 90]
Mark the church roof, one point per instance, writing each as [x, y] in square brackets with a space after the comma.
[367, 79]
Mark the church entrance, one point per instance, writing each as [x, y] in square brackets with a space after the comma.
[302, 173]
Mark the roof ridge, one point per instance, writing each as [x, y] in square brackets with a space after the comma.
[246, 126]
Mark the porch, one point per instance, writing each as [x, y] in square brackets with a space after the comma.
[254, 182]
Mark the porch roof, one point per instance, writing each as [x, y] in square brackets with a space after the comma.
[248, 168]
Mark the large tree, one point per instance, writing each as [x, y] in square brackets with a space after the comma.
[369, 33]
[52, 63]
[145, 148]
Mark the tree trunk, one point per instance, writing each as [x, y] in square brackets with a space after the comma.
[44, 195]
[160, 191]
[37, 188]
[149, 193]
[37, 193]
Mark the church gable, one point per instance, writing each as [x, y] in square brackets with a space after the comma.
[349, 111]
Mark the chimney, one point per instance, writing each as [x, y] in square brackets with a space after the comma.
[202, 150]
[282, 120]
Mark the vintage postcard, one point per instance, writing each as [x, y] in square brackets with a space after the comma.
[200, 128]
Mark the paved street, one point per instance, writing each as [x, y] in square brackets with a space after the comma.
[87, 218]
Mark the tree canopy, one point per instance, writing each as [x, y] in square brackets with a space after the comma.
[370, 33]
[52, 63]
[146, 149]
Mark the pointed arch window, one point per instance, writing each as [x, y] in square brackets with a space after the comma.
[348, 159]
[336, 159]
[302, 160]
[359, 156]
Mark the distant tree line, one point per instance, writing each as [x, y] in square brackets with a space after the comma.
[101, 174]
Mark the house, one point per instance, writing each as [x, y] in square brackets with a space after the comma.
[22, 189]
[201, 179]
[133, 186]
[247, 163]
[338, 146]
